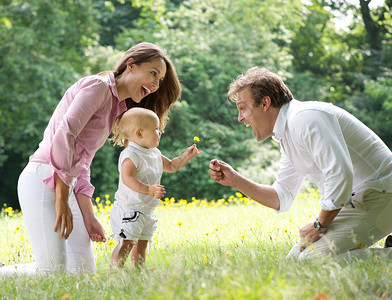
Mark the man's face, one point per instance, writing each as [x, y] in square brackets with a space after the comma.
[256, 116]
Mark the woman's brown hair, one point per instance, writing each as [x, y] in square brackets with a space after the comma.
[169, 89]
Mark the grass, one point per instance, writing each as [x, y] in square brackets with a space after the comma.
[226, 249]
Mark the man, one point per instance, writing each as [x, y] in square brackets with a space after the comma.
[348, 162]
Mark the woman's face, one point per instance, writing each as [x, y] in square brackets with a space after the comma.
[143, 79]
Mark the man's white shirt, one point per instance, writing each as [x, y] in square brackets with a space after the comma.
[331, 148]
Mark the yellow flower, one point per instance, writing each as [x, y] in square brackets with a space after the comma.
[96, 277]
[108, 217]
[196, 139]
[107, 196]
[216, 229]
[179, 223]
[65, 297]
[17, 228]
[97, 199]
[285, 230]
[111, 243]
[207, 233]
[242, 237]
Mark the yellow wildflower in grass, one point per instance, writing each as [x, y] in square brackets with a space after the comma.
[96, 277]
[196, 139]
[285, 230]
[108, 202]
[311, 248]
[107, 196]
[216, 229]
[243, 237]
[111, 243]
[207, 233]
[281, 244]
[108, 217]
[97, 199]
[65, 297]
[179, 223]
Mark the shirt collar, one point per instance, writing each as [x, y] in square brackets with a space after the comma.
[280, 123]
[140, 148]
[111, 82]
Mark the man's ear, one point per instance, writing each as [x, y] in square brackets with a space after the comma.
[139, 132]
[265, 102]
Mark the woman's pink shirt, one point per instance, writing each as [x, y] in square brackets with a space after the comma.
[79, 126]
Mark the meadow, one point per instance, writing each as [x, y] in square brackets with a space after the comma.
[228, 248]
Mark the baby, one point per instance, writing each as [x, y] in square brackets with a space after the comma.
[139, 191]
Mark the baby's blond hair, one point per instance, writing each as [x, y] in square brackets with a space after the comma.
[126, 125]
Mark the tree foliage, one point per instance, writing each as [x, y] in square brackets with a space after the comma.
[41, 52]
[46, 45]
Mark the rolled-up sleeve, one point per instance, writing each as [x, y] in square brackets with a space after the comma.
[321, 136]
[83, 184]
[81, 109]
[287, 185]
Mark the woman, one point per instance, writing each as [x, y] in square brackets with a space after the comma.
[54, 189]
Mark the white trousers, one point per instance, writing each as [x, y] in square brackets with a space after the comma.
[51, 253]
[354, 229]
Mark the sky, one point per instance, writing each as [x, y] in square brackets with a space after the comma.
[342, 21]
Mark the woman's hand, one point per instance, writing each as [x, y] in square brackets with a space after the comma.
[95, 230]
[64, 218]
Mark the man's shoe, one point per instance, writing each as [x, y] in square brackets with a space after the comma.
[388, 241]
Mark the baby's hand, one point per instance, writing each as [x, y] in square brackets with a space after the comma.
[157, 191]
[192, 151]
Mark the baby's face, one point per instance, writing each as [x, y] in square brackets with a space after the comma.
[151, 133]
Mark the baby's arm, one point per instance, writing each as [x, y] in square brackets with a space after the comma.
[177, 163]
[128, 176]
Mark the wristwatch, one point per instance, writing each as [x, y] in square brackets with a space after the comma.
[318, 227]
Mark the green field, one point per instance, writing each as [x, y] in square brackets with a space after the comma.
[226, 249]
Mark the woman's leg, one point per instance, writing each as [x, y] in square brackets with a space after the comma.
[79, 248]
[37, 202]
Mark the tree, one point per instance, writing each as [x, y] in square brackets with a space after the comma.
[42, 46]
[210, 44]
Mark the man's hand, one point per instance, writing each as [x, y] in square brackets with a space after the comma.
[308, 235]
[95, 230]
[222, 173]
[157, 191]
